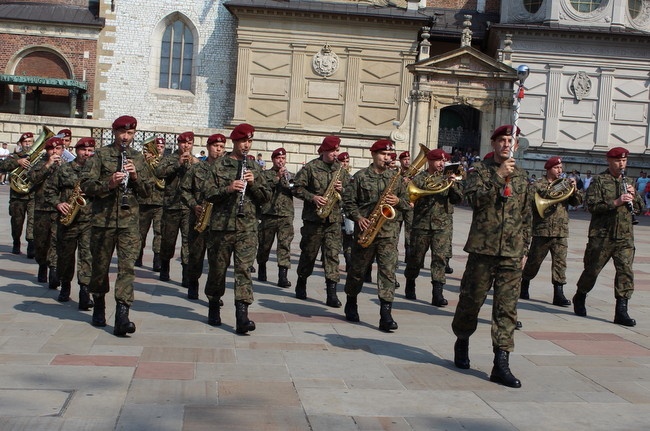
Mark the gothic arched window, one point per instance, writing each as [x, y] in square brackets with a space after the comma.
[176, 54]
[533, 6]
[586, 6]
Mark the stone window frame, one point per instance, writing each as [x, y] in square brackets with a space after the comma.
[532, 6]
[592, 5]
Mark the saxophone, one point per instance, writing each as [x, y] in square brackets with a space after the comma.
[379, 214]
[331, 195]
[203, 220]
[76, 201]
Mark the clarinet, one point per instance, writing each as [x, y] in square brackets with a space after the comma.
[125, 183]
[244, 169]
[629, 205]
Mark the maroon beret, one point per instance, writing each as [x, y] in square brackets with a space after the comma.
[53, 142]
[393, 156]
[85, 143]
[553, 161]
[278, 152]
[489, 155]
[184, 137]
[344, 155]
[64, 133]
[243, 131]
[217, 137]
[404, 155]
[25, 135]
[505, 130]
[438, 154]
[125, 122]
[330, 143]
[618, 153]
[159, 140]
[250, 157]
[382, 145]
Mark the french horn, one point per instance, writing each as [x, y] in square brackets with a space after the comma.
[556, 192]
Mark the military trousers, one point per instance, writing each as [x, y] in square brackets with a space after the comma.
[481, 274]
[539, 248]
[198, 245]
[385, 251]
[172, 222]
[19, 211]
[221, 246]
[151, 216]
[270, 228]
[597, 254]
[103, 241]
[45, 227]
[75, 237]
[423, 240]
[316, 235]
[408, 222]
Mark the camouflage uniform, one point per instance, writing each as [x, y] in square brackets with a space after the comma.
[277, 219]
[151, 212]
[433, 225]
[361, 197]
[21, 207]
[232, 233]
[45, 215]
[113, 226]
[316, 233]
[497, 241]
[611, 236]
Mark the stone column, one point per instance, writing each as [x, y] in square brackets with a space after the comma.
[23, 99]
[604, 116]
[352, 85]
[37, 100]
[84, 109]
[243, 77]
[420, 124]
[73, 92]
[296, 85]
[553, 101]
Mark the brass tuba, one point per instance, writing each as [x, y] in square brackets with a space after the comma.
[19, 181]
[557, 191]
[150, 146]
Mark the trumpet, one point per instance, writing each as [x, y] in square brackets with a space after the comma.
[557, 191]
[244, 169]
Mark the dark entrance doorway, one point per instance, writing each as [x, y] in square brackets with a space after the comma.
[460, 129]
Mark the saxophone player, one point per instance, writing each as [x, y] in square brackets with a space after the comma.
[312, 184]
[370, 189]
[75, 236]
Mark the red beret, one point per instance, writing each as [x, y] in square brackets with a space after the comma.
[393, 156]
[25, 135]
[217, 137]
[382, 145]
[125, 122]
[85, 143]
[53, 142]
[505, 130]
[159, 140]
[553, 161]
[64, 133]
[489, 155]
[438, 154]
[184, 137]
[618, 153]
[279, 152]
[243, 131]
[250, 157]
[404, 155]
[344, 155]
[330, 143]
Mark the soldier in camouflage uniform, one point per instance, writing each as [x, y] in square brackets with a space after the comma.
[498, 193]
[45, 214]
[347, 228]
[192, 196]
[611, 235]
[21, 205]
[277, 218]
[405, 163]
[76, 235]
[311, 184]
[115, 178]
[237, 195]
[151, 210]
[176, 216]
[550, 234]
[361, 197]
[433, 224]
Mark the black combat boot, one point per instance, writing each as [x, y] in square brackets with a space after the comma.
[438, 298]
[193, 289]
[351, 310]
[185, 281]
[156, 262]
[42, 273]
[386, 322]
[53, 278]
[31, 249]
[164, 270]
[138, 261]
[301, 288]
[461, 353]
[283, 281]
[214, 313]
[523, 291]
[251, 269]
[244, 325]
[332, 298]
[409, 289]
[16, 248]
[64, 294]
[123, 325]
[85, 301]
[448, 269]
[501, 370]
[99, 312]
[621, 317]
[579, 307]
[261, 272]
[558, 296]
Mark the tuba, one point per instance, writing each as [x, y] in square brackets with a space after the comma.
[76, 202]
[331, 195]
[19, 181]
[556, 192]
[150, 146]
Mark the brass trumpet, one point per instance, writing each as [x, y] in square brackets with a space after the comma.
[556, 192]
[150, 147]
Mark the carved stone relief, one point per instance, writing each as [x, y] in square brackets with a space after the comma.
[580, 85]
[325, 62]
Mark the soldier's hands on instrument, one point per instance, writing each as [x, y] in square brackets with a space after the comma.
[364, 223]
[116, 179]
[185, 158]
[238, 186]
[319, 200]
[63, 208]
[338, 186]
[130, 168]
[24, 163]
[625, 198]
[198, 210]
[392, 200]
[53, 159]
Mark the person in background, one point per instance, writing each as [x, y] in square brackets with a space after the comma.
[260, 161]
[21, 205]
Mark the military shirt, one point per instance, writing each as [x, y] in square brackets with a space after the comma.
[281, 203]
[8, 164]
[172, 172]
[313, 180]
[38, 175]
[607, 220]
[107, 209]
[555, 223]
[435, 211]
[60, 188]
[500, 226]
[193, 183]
